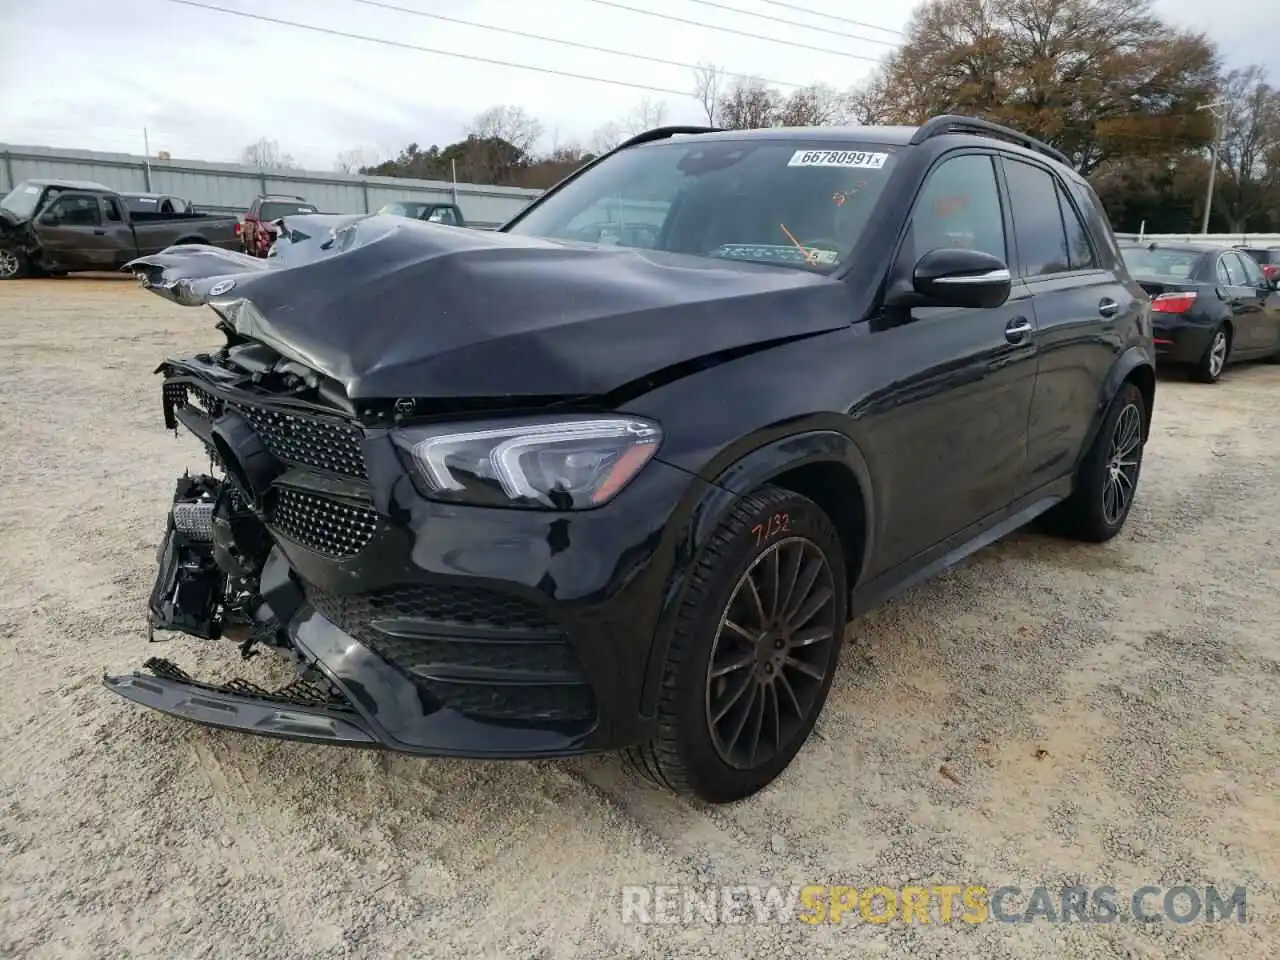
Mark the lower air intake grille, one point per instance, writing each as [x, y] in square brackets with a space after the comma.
[485, 654]
[334, 528]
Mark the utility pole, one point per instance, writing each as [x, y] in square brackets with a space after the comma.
[1213, 160]
[146, 163]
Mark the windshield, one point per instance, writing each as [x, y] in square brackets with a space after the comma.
[22, 199]
[787, 202]
[1168, 264]
[413, 210]
[274, 210]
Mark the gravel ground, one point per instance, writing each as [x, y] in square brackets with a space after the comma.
[1048, 713]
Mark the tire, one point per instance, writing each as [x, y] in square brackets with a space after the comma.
[1209, 368]
[1089, 514]
[13, 264]
[784, 674]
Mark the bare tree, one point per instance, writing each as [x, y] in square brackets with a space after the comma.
[357, 159]
[747, 104]
[645, 115]
[708, 79]
[816, 105]
[510, 123]
[265, 154]
[606, 136]
[1250, 121]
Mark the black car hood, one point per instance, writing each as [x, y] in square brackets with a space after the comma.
[393, 307]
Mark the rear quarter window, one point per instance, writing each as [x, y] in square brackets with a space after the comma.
[1098, 223]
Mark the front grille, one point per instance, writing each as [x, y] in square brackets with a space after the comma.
[296, 439]
[335, 528]
[485, 654]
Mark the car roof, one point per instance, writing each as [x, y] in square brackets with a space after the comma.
[71, 184]
[1185, 246]
[887, 135]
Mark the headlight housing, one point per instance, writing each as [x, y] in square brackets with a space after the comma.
[570, 463]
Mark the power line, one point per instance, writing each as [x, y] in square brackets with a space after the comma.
[740, 33]
[545, 39]
[792, 23]
[829, 16]
[262, 18]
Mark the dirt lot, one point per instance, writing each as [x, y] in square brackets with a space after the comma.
[1107, 716]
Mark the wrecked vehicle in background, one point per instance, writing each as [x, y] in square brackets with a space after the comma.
[55, 227]
[258, 227]
[617, 475]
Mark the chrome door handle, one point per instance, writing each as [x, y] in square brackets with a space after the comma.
[1017, 328]
[1108, 307]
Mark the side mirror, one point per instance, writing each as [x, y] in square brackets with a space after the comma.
[50, 218]
[962, 278]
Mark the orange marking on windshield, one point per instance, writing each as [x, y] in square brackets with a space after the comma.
[810, 256]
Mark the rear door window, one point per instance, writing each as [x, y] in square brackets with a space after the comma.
[1252, 272]
[1079, 250]
[1037, 219]
[1235, 270]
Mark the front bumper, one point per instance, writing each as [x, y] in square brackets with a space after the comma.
[451, 630]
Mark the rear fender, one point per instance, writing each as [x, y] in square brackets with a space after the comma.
[715, 501]
[1135, 358]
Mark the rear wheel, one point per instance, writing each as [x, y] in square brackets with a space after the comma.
[1208, 368]
[1108, 477]
[754, 651]
[13, 264]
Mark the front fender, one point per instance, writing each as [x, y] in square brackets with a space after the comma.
[713, 502]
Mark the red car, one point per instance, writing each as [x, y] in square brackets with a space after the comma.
[1268, 258]
[255, 230]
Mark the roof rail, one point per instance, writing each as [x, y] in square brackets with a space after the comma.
[953, 123]
[662, 133]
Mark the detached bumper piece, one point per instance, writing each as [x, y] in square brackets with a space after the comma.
[299, 711]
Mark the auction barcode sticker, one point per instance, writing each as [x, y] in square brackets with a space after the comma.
[858, 159]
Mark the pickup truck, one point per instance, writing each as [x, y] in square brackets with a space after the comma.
[430, 211]
[55, 227]
[255, 231]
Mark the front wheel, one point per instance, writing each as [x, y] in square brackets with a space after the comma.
[754, 650]
[1108, 478]
[13, 264]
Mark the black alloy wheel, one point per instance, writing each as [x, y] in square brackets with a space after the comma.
[771, 653]
[1123, 460]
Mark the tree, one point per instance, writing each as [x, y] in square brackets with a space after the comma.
[816, 105]
[1098, 79]
[509, 123]
[708, 80]
[264, 154]
[356, 159]
[748, 103]
[1250, 122]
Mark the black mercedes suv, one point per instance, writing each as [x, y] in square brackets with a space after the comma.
[617, 474]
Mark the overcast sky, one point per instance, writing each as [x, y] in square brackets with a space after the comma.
[93, 74]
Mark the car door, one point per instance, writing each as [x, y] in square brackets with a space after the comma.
[1256, 316]
[118, 231]
[72, 234]
[951, 435]
[1080, 304]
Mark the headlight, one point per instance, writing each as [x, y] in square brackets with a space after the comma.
[562, 464]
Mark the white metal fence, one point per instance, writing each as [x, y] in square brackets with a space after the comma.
[1224, 239]
[227, 188]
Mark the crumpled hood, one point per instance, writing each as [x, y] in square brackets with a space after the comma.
[393, 307]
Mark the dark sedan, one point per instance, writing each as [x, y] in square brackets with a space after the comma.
[1211, 306]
